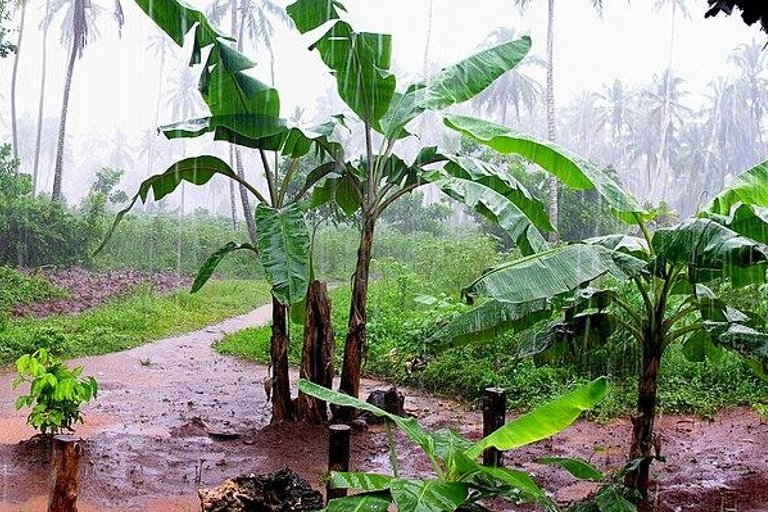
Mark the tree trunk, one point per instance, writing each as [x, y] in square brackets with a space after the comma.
[250, 222]
[65, 478]
[232, 200]
[59, 170]
[14, 123]
[282, 406]
[317, 355]
[554, 209]
[41, 100]
[643, 442]
[355, 345]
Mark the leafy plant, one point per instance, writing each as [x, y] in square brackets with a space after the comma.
[56, 392]
[676, 271]
[460, 482]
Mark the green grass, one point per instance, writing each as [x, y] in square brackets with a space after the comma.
[131, 321]
[17, 289]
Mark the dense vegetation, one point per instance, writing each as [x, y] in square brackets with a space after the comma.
[413, 292]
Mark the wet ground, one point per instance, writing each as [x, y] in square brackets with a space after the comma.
[144, 451]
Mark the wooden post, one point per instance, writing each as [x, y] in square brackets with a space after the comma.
[65, 475]
[494, 417]
[338, 456]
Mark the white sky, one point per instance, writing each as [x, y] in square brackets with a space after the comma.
[116, 82]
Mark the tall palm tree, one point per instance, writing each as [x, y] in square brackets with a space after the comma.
[584, 122]
[665, 114]
[78, 29]
[516, 88]
[551, 120]
[752, 83]
[14, 127]
[675, 6]
[46, 23]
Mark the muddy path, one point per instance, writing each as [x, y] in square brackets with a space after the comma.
[144, 452]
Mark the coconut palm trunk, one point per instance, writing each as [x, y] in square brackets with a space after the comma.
[58, 173]
[41, 99]
[14, 121]
[554, 208]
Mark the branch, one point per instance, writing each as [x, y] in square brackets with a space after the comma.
[684, 330]
[394, 197]
[629, 309]
[286, 180]
[631, 329]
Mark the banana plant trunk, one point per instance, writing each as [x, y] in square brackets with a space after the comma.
[355, 344]
[282, 406]
[317, 354]
[644, 445]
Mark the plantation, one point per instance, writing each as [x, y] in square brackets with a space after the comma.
[346, 256]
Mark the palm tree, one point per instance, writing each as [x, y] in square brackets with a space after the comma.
[46, 23]
[517, 88]
[14, 76]
[675, 6]
[78, 29]
[160, 45]
[584, 122]
[550, 97]
[751, 63]
[664, 115]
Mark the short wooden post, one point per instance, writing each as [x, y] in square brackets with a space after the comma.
[494, 417]
[338, 456]
[65, 475]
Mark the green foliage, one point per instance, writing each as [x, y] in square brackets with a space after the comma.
[56, 392]
[6, 46]
[131, 321]
[35, 231]
[410, 215]
[17, 288]
[460, 481]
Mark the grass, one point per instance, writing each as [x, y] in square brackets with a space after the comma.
[131, 321]
[17, 289]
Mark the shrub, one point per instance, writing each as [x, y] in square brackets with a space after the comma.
[56, 392]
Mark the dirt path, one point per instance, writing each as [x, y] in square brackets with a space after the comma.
[143, 452]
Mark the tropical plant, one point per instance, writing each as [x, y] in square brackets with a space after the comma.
[368, 185]
[56, 392]
[45, 25]
[14, 75]
[676, 270]
[460, 483]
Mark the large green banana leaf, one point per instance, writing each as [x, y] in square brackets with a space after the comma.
[224, 83]
[264, 132]
[553, 273]
[709, 249]
[747, 220]
[453, 85]
[545, 421]
[283, 242]
[632, 245]
[569, 169]
[487, 321]
[365, 502]
[496, 208]
[359, 61]
[427, 495]
[750, 187]
[197, 171]
[209, 267]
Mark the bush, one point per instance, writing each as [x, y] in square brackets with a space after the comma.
[17, 288]
[56, 392]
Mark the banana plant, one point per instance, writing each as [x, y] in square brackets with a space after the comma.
[367, 186]
[245, 112]
[459, 481]
[571, 297]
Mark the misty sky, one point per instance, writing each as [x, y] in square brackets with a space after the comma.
[116, 82]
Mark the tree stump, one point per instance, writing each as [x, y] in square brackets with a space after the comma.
[65, 475]
[317, 354]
